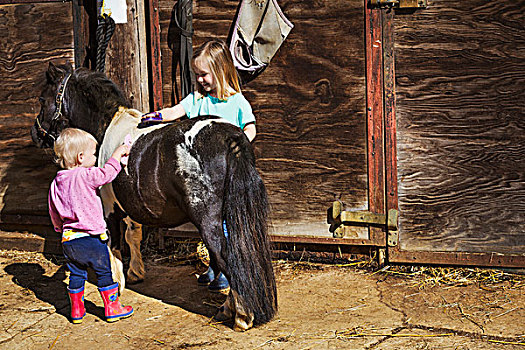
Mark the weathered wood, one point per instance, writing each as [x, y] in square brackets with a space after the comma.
[155, 54]
[14, 2]
[391, 190]
[80, 28]
[31, 35]
[127, 58]
[374, 102]
[460, 73]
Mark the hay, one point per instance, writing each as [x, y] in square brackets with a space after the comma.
[429, 277]
[203, 254]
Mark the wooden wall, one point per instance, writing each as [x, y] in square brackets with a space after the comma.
[460, 70]
[309, 105]
[127, 56]
[30, 36]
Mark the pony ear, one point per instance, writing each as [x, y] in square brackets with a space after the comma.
[69, 67]
[53, 73]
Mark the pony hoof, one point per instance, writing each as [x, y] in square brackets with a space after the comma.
[223, 315]
[242, 325]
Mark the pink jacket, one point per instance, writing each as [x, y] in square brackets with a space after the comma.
[73, 200]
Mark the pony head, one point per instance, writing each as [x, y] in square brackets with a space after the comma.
[51, 119]
[78, 98]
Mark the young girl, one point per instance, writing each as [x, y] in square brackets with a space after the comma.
[218, 93]
[76, 212]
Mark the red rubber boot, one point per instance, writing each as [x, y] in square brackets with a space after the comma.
[113, 310]
[78, 311]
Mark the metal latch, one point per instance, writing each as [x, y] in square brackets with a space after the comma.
[402, 4]
[340, 219]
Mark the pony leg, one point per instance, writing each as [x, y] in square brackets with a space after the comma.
[133, 237]
[233, 308]
[117, 269]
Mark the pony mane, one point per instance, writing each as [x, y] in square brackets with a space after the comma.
[99, 91]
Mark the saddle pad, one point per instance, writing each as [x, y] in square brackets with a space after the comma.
[124, 123]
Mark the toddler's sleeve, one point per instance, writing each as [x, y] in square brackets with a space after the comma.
[56, 220]
[97, 177]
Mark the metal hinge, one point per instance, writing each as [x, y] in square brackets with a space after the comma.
[339, 221]
[402, 4]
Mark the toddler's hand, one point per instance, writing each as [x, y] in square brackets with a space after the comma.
[121, 151]
[127, 142]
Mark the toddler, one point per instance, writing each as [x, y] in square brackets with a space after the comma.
[76, 212]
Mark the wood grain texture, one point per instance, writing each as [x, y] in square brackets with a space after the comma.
[309, 105]
[155, 55]
[31, 35]
[126, 57]
[375, 118]
[460, 70]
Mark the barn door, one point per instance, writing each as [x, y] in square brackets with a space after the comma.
[460, 133]
[320, 120]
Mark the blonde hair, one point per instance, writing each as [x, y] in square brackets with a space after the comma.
[69, 145]
[218, 56]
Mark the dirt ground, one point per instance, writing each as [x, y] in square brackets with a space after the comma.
[320, 307]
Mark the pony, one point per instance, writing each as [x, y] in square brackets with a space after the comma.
[199, 170]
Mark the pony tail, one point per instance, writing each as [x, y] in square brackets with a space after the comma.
[248, 252]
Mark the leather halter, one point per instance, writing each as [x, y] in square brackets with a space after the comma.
[59, 99]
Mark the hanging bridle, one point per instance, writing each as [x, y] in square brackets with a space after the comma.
[59, 99]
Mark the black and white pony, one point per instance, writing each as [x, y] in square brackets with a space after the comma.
[199, 170]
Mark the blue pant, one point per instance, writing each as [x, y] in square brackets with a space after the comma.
[85, 252]
[224, 229]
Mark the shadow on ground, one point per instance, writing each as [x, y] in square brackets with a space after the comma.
[179, 287]
[51, 290]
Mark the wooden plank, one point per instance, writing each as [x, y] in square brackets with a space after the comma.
[311, 107]
[126, 57]
[80, 33]
[14, 2]
[461, 140]
[155, 55]
[374, 96]
[279, 238]
[25, 51]
[456, 258]
[389, 78]
[42, 243]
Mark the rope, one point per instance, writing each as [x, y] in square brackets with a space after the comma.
[105, 30]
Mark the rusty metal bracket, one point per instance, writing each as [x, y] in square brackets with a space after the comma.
[392, 238]
[402, 4]
[340, 219]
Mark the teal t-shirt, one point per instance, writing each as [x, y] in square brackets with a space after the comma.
[236, 109]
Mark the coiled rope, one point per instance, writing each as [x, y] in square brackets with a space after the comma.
[105, 30]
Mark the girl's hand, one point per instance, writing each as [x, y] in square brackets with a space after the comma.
[149, 119]
[250, 131]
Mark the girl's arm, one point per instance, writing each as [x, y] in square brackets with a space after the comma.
[164, 115]
[172, 113]
[250, 131]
